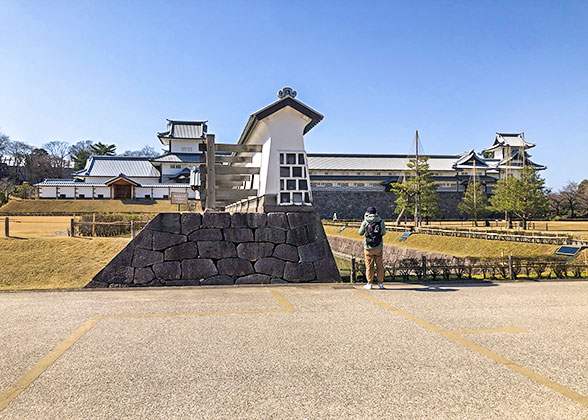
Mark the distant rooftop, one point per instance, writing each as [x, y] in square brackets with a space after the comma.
[181, 129]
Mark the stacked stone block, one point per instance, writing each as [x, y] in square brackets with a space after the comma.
[223, 249]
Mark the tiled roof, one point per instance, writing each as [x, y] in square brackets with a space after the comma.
[68, 183]
[72, 183]
[467, 161]
[178, 157]
[509, 139]
[177, 129]
[375, 162]
[133, 167]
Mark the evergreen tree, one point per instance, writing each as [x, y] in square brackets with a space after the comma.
[101, 149]
[80, 152]
[525, 197]
[474, 202]
[419, 184]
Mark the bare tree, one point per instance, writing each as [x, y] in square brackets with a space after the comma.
[147, 151]
[58, 152]
[4, 140]
[555, 203]
[18, 152]
[571, 198]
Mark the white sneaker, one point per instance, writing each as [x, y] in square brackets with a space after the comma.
[368, 286]
[380, 285]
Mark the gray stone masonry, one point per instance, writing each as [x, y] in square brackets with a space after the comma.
[352, 204]
[194, 249]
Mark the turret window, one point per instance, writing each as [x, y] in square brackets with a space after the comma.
[294, 183]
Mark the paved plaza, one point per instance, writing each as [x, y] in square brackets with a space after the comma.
[480, 351]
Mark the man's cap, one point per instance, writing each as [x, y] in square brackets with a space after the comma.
[371, 210]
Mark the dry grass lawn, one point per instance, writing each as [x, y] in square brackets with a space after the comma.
[36, 226]
[53, 263]
[47, 206]
[579, 229]
[459, 247]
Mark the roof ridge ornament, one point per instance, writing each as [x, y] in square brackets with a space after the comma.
[286, 92]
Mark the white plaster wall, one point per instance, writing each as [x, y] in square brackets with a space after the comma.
[105, 191]
[46, 192]
[86, 191]
[140, 192]
[166, 168]
[176, 146]
[68, 191]
[281, 131]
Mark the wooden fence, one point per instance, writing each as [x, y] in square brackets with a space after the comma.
[533, 237]
[106, 229]
[509, 268]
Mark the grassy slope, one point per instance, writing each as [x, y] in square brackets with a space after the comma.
[53, 263]
[89, 206]
[459, 247]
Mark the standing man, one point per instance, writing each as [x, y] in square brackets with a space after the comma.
[373, 228]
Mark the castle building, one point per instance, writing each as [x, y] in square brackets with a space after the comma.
[335, 183]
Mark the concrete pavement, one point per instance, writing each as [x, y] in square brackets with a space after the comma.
[508, 350]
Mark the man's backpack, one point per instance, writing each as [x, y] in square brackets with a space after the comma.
[373, 234]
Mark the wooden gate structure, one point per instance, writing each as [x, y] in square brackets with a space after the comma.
[226, 172]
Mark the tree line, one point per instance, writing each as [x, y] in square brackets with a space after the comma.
[22, 165]
[523, 197]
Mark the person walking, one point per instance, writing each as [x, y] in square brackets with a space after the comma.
[373, 228]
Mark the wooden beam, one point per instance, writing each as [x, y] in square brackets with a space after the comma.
[235, 195]
[238, 148]
[236, 170]
[210, 173]
[234, 159]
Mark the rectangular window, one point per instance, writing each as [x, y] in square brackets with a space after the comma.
[147, 196]
[294, 184]
[61, 195]
[100, 195]
[81, 195]
[166, 197]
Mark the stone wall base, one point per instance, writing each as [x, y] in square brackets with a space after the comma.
[391, 253]
[223, 249]
[352, 204]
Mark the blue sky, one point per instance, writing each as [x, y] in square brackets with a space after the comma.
[458, 71]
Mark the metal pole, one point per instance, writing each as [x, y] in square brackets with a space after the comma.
[132, 229]
[6, 227]
[416, 196]
[510, 268]
[353, 273]
[424, 267]
[71, 226]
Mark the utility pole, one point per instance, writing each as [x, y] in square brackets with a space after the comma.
[475, 201]
[418, 182]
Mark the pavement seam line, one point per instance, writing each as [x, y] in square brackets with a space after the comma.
[511, 330]
[567, 392]
[28, 378]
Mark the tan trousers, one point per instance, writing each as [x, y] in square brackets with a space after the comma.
[374, 256]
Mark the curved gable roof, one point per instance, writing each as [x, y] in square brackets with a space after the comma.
[254, 118]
